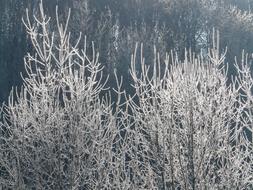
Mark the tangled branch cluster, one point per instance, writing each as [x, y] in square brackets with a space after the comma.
[186, 127]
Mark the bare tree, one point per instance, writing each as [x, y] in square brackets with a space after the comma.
[186, 126]
[192, 122]
[57, 132]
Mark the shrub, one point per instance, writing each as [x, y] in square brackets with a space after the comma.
[184, 128]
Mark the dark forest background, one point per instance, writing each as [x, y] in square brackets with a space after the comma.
[116, 25]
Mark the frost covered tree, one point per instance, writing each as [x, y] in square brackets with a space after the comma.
[185, 127]
[197, 127]
[57, 133]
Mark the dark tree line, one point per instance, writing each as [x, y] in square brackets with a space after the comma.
[116, 25]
